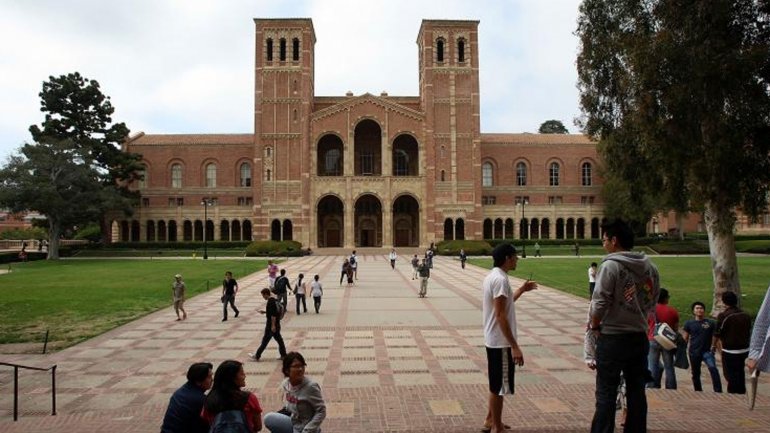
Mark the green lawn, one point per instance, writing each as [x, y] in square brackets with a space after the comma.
[78, 299]
[687, 278]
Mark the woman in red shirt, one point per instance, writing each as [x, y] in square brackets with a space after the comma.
[226, 395]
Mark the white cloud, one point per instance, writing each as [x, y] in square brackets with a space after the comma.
[186, 66]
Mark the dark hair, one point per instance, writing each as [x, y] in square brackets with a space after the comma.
[730, 299]
[289, 359]
[593, 264]
[501, 253]
[199, 371]
[228, 273]
[663, 295]
[316, 277]
[621, 231]
[265, 291]
[225, 394]
[695, 304]
[283, 272]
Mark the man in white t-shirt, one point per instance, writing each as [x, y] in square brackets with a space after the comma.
[499, 314]
[592, 270]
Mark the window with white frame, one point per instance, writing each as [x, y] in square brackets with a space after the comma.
[521, 174]
[586, 171]
[211, 175]
[486, 174]
[245, 174]
[553, 174]
[176, 176]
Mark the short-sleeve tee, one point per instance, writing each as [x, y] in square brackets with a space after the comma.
[496, 284]
[316, 290]
[229, 286]
[700, 332]
[663, 314]
[272, 270]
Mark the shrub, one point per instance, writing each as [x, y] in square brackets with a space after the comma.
[274, 248]
[472, 248]
[681, 247]
[13, 256]
[91, 233]
[25, 233]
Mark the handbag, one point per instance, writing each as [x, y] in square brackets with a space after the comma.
[222, 299]
[681, 359]
[665, 336]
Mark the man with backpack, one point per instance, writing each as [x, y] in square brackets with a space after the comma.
[733, 332]
[274, 312]
[281, 288]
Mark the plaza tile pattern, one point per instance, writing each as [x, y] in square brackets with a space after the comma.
[387, 361]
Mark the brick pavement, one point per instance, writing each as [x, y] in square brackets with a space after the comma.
[387, 361]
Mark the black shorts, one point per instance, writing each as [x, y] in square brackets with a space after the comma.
[501, 370]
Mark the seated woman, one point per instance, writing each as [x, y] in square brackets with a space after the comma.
[303, 405]
[227, 400]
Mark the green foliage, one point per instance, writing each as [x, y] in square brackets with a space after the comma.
[176, 245]
[552, 127]
[78, 299]
[20, 234]
[274, 248]
[472, 248]
[75, 169]
[91, 233]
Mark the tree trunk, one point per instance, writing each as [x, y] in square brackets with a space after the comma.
[720, 222]
[680, 225]
[54, 231]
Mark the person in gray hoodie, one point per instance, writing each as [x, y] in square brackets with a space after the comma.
[627, 289]
[303, 404]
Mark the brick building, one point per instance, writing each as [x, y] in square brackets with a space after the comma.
[365, 170]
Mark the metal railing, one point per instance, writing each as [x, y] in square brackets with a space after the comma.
[16, 368]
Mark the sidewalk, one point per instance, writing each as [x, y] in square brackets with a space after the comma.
[387, 361]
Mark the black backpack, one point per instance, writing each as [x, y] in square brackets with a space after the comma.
[281, 309]
[230, 421]
[281, 285]
[352, 260]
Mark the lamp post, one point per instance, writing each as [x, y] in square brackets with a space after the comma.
[524, 233]
[206, 202]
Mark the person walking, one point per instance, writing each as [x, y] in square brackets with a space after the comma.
[537, 250]
[353, 259]
[344, 270]
[299, 292]
[415, 265]
[316, 291]
[393, 257]
[667, 314]
[627, 288]
[463, 258]
[500, 336]
[272, 273]
[424, 271]
[429, 257]
[281, 288]
[272, 326]
[733, 333]
[229, 289]
[178, 289]
[699, 332]
[592, 270]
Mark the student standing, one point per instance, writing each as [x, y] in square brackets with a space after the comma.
[734, 332]
[463, 258]
[178, 289]
[392, 257]
[699, 332]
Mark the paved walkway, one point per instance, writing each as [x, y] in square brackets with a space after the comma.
[387, 361]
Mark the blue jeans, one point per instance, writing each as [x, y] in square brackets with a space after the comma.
[278, 423]
[711, 364]
[653, 364]
[616, 354]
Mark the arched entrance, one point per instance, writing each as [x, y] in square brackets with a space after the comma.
[367, 148]
[406, 222]
[367, 222]
[330, 211]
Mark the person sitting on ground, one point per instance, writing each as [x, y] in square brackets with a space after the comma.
[227, 401]
[303, 404]
[184, 407]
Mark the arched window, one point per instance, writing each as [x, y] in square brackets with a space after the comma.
[176, 176]
[295, 49]
[443, 175]
[211, 175]
[461, 50]
[521, 174]
[142, 172]
[245, 174]
[400, 163]
[268, 175]
[486, 174]
[282, 50]
[269, 50]
[587, 181]
[268, 152]
[439, 50]
[553, 174]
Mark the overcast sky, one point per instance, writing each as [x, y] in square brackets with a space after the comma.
[186, 66]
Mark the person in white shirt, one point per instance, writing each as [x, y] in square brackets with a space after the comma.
[499, 315]
[300, 291]
[316, 291]
[392, 256]
[592, 270]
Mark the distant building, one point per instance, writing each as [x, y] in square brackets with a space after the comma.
[16, 221]
[365, 170]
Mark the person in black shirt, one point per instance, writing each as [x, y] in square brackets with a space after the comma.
[229, 289]
[699, 332]
[184, 408]
[272, 326]
[281, 288]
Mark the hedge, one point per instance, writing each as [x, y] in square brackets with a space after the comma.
[472, 248]
[13, 256]
[275, 248]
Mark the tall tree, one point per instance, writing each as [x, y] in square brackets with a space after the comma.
[552, 127]
[75, 170]
[680, 87]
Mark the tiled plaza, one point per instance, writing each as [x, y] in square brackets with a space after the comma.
[387, 361]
